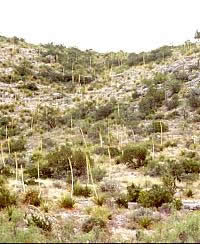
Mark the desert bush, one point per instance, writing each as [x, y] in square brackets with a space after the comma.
[191, 166]
[175, 229]
[31, 86]
[92, 222]
[17, 145]
[104, 111]
[58, 161]
[110, 186]
[133, 192]
[7, 198]
[122, 200]
[134, 155]
[153, 99]
[154, 168]
[6, 170]
[23, 70]
[174, 86]
[155, 197]
[157, 55]
[159, 78]
[155, 127]
[99, 199]
[66, 201]
[171, 143]
[32, 196]
[101, 213]
[189, 193]
[175, 169]
[42, 222]
[98, 173]
[80, 190]
[114, 152]
[142, 217]
[193, 99]
[181, 76]
[173, 102]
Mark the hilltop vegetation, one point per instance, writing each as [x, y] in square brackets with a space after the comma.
[98, 147]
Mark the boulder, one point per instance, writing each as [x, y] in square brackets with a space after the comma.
[191, 204]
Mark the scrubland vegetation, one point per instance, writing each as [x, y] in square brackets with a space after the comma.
[99, 147]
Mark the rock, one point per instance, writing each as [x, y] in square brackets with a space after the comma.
[191, 204]
[57, 95]
[132, 205]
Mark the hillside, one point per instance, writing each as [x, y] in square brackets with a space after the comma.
[99, 147]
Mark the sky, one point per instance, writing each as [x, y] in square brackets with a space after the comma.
[101, 25]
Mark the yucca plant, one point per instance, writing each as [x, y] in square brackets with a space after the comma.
[66, 201]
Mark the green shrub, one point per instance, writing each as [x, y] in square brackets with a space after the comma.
[181, 76]
[92, 222]
[100, 199]
[155, 197]
[155, 168]
[133, 192]
[153, 99]
[58, 162]
[101, 212]
[173, 102]
[16, 145]
[104, 111]
[190, 166]
[193, 99]
[66, 201]
[183, 229]
[80, 190]
[23, 69]
[122, 200]
[134, 155]
[177, 203]
[175, 169]
[32, 196]
[6, 197]
[156, 127]
[98, 173]
[159, 78]
[42, 222]
[145, 221]
[6, 170]
[142, 217]
[189, 193]
[114, 152]
[174, 86]
[110, 186]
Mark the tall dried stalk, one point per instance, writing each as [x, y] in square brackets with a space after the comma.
[109, 160]
[161, 134]
[16, 169]
[41, 146]
[153, 149]
[31, 123]
[8, 141]
[2, 155]
[71, 122]
[87, 166]
[101, 140]
[134, 136]
[6, 132]
[72, 176]
[38, 169]
[118, 111]
[92, 180]
[22, 173]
